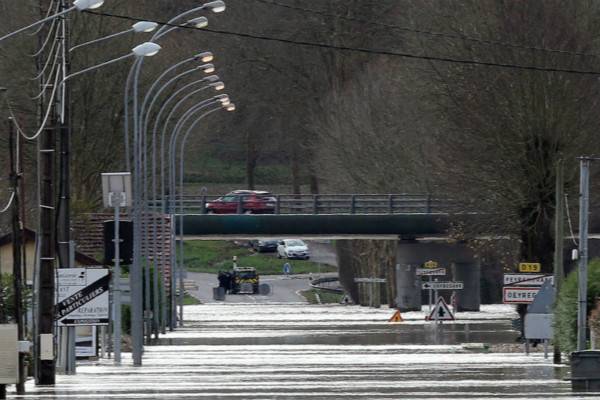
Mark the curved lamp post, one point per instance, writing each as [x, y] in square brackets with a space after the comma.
[138, 27]
[79, 5]
[224, 102]
[151, 98]
[137, 323]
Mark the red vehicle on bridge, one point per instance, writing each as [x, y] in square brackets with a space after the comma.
[243, 201]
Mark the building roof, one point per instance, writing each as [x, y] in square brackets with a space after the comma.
[29, 235]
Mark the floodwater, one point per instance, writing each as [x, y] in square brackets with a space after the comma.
[299, 351]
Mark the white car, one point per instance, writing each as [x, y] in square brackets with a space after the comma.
[293, 248]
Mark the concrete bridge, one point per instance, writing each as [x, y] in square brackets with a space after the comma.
[419, 223]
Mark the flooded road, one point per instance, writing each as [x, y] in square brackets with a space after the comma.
[298, 351]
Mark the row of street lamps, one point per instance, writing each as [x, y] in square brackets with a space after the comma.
[147, 252]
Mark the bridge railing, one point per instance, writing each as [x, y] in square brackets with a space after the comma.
[322, 204]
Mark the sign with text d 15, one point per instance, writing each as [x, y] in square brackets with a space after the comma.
[519, 294]
[530, 267]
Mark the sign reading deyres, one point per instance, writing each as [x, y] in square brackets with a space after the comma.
[82, 296]
[519, 294]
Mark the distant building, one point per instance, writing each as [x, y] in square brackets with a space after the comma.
[6, 255]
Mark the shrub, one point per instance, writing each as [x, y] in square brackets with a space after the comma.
[565, 312]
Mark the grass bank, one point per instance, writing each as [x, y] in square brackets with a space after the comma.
[213, 256]
[325, 296]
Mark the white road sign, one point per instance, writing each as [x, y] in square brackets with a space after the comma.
[442, 285]
[441, 312]
[430, 271]
[82, 297]
[527, 279]
[519, 294]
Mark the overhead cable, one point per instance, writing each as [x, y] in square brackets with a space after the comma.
[371, 51]
[453, 36]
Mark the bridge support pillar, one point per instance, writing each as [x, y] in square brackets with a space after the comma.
[408, 287]
[468, 299]
[458, 260]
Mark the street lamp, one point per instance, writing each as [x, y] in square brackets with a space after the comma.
[141, 142]
[172, 155]
[147, 49]
[138, 27]
[137, 324]
[79, 5]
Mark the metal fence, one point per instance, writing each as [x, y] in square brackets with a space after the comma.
[323, 204]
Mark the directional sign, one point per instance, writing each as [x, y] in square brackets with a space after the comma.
[441, 312]
[431, 264]
[442, 285]
[530, 267]
[527, 279]
[82, 297]
[519, 294]
[431, 272]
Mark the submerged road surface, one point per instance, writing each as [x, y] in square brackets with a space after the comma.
[298, 351]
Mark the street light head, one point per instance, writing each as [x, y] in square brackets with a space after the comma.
[212, 78]
[147, 49]
[230, 107]
[222, 97]
[207, 68]
[199, 22]
[205, 57]
[87, 4]
[144, 26]
[216, 6]
[218, 86]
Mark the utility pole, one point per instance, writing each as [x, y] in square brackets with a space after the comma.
[17, 244]
[45, 363]
[559, 225]
[584, 198]
[67, 342]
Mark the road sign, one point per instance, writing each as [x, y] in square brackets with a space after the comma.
[431, 264]
[397, 317]
[82, 297]
[371, 280]
[519, 294]
[441, 312]
[287, 268]
[530, 267]
[527, 279]
[442, 285]
[431, 272]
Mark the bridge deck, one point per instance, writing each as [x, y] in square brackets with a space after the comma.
[322, 225]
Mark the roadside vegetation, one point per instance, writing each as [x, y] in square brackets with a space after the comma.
[565, 323]
[324, 296]
[215, 256]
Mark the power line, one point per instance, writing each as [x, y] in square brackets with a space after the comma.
[365, 50]
[429, 33]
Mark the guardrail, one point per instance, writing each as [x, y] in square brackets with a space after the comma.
[324, 284]
[323, 204]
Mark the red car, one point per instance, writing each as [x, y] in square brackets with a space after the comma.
[243, 201]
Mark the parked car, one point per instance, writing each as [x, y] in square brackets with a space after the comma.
[265, 245]
[293, 248]
[246, 201]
